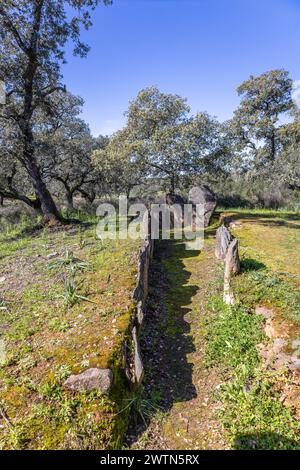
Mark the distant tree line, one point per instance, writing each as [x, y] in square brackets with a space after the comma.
[47, 152]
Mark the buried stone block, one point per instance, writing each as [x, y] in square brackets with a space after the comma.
[90, 379]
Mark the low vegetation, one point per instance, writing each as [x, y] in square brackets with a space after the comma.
[65, 306]
[254, 413]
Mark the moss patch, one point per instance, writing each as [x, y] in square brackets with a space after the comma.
[47, 338]
[253, 412]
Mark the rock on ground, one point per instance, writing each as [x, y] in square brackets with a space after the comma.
[90, 379]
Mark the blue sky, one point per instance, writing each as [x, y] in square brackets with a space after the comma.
[200, 49]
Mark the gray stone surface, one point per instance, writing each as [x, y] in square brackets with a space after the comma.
[203, 195]
[223, 239]
[232, 259]
[232, 267]
[172, 199]
[141, 290]
[90, 379]
[138, 365]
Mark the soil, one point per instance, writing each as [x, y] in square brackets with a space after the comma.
[185, 409]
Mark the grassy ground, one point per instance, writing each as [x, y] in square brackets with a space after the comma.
[177, 405]
[65, 306]
[207, 385]
[260, 405]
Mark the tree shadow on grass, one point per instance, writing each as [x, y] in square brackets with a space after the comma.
[264, 441]
[165, 338]
[250, 264]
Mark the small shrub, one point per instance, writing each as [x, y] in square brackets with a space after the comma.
[71, 295]
[69, 262]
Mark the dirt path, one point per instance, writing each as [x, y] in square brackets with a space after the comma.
[177, 407]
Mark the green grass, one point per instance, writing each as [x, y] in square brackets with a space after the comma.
[58, 321]
[232, 336]
[279, 213]
[268, 288]
[252, 412]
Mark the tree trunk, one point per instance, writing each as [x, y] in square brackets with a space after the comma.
[69, 200]
[1, 200]
[273, 146]
[172, 189]
[47, 205]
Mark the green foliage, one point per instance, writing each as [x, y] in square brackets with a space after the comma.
[71, 293]
[252, 411]
[232, 336]
[70, 262]
[143, 407]
[264, 99]
[253, 414]
[59, 325]
[163, 141]
[263, 286]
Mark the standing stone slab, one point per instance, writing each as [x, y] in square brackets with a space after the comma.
[90, 379]
[141, 290]
[232, 259]
[138, 365]
[223, 239]
[204, 196]
[172, 199]
[232, 267]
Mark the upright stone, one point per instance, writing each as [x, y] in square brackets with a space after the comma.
[202, 195]
[138, 364]
[172, 199]
[232, 259]
[223, 239]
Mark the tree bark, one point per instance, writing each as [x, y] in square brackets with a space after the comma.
[48, 207]
[46, 203]
[69, 200]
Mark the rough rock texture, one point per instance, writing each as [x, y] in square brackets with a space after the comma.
[134, 369]
[265, 312]
[228, 296]
[172, 199]
[232, 267]
[90, 379]
[138, 365]
[232, 259]
[274, 351]
[223, 239]
[203, 195]
[141, 290]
